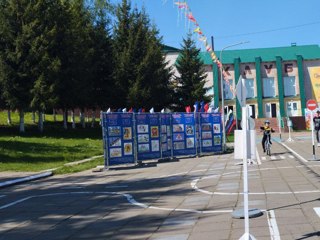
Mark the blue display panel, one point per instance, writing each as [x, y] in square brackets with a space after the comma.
[129, 137]
[183, 134]
[148, 136]
[211, 134]
[166, 135]
[118, 137]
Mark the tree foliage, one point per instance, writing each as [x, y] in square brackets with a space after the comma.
[141, 73]
[68, 54]
[191, 82]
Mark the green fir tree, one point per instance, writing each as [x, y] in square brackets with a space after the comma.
[190, 85]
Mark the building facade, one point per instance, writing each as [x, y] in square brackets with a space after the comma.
[278, 80]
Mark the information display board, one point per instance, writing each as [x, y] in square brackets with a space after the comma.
[211, 134]
[148, 135]
[129, 137]
[183, 134]
[166, 135]
[118, 138]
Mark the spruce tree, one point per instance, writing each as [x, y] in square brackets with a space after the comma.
[45, 64]
[15, 54]
[152, 87]
[141, 73]
[123, 71]
[190, 84]
[102, 63]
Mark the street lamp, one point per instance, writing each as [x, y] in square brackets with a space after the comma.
[222, 95]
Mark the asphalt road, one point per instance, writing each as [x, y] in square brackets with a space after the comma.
[190, 199]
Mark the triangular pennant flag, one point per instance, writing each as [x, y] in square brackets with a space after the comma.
[151, 110]
[203, 39]
[124, 110]
[130, 110]
[208, 48]
[190, 17]
[163, 111]
[109, 110]
[198, 30]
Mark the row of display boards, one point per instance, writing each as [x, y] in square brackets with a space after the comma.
[132, 137]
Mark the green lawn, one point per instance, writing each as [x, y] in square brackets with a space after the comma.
[35, 151]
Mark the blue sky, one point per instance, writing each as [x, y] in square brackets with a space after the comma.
[231, 21]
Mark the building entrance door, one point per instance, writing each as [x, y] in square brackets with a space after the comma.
[271, 110]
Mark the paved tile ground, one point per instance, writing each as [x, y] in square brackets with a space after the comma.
[189, 199]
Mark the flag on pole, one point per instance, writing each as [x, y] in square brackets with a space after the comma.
[188, 109]
[196, 107]
[206, 107]
[201, 106]
[151, 110]
[109, 110]
[124, 110]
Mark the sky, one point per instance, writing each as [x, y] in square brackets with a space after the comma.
[271, 23]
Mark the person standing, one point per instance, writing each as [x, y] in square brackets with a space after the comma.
[316, 121]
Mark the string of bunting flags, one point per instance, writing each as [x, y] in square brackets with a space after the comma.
[186, 10]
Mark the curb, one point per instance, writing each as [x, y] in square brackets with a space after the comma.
[25, 179]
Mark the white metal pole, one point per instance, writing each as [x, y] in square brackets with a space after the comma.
[312, 132]
[245, 171]
[289, 126]
[222, 95]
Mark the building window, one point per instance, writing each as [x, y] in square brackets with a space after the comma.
[292, 109]
[289, 86]
[250, 87]
[226, 89]
[268, 87]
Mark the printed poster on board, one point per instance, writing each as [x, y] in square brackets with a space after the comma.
[166, 139]
[183, 134]
[118, 137]
[211, 132]
[148, 136]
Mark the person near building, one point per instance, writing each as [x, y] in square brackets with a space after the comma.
[316, 121]
[267, 130]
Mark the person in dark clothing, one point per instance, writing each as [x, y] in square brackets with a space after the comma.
[267, 130]
[316, 121]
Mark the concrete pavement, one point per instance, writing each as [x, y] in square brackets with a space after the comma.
[189, 199]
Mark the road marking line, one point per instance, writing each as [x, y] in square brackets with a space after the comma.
[290, 156]
[68, 188]
[295, 153]
[273, 157]
[195, 187]
[273, 226]
[129, 198]
[258, 157]
[16, 202]
[282, 157]
[263, 158]
[117, 186]
[317, 210]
